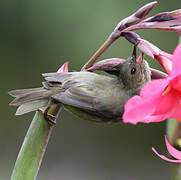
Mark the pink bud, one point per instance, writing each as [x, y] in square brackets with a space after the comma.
[63, 68]
[106, 65]
[167, 21]
[136, 17]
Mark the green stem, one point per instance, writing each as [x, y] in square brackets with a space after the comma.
[34, 146]
[92, 60]
[174, 137]
[113, 37]
[32, 150]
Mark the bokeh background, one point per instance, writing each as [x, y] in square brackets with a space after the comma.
[38, 36]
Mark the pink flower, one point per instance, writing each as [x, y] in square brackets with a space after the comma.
[159, 99]
[111, 66]
[154, 52]
[136, 17]
[174, 152]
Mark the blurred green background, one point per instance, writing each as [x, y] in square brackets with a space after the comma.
[38, 36]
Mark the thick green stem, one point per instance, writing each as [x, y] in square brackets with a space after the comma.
[34, 146]
[32, 150]
[112, 38]
[174, 137]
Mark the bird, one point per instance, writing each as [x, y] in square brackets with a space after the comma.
[88, 95]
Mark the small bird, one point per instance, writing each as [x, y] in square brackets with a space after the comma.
[88, 95]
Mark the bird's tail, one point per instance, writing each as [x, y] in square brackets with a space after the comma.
[30, 99]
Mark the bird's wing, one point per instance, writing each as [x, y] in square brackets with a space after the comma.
[56, 77]
[86, 91]
[77, 89]
[79, 97]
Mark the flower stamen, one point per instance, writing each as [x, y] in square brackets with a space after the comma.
[167, 90]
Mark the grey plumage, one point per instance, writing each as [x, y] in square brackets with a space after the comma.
[89, 95]
[24, 96]
[31, 106]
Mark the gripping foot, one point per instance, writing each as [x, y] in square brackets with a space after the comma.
[49, 117]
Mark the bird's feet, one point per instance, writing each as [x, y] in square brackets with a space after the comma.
[51, 119]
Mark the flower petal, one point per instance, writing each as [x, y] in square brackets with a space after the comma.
[176, 61]
[170, 105]
[165, 158]
[174, 152]
[165, 62]
[168, 21]
[63, 68]
[148, 48]
[138, 109]
[167, 102]
[141, 108]
[154, 118]
[154, 88]
[166, 55]
[176, 83]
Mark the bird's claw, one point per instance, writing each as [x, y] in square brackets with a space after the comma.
[51, 119]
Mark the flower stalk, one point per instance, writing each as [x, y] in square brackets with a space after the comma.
[135, 18]
[33, 148]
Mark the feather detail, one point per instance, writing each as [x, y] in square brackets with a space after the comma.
[24, 96]
[31, 106]
[19, 92]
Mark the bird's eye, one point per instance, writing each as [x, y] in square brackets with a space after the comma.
[133, 70]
